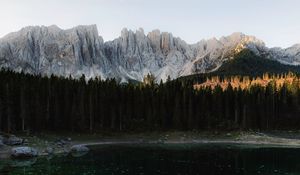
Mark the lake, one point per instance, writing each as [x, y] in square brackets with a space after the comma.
[168, 159]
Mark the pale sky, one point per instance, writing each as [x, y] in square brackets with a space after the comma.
[277, 22]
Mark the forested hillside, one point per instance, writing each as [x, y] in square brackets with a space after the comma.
[246, 63]
[46, 104]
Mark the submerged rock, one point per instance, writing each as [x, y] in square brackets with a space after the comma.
[23, 163]
[78, 154]
[24, 152]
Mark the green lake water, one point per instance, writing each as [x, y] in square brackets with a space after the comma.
[175, 159]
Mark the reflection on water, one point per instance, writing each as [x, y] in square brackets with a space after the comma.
[22, 163]
[163, 159]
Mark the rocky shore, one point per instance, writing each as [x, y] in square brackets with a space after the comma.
[18, 147]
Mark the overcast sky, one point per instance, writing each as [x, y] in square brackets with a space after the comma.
[277, 22]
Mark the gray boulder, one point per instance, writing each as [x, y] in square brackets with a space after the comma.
[13, 140]
[79, 148]
[1, 141]
[24, 152]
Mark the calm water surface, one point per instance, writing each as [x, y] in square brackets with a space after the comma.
[184, 159]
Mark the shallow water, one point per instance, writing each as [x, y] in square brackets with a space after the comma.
[183, 159]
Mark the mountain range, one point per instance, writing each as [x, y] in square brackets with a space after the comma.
[133, 55]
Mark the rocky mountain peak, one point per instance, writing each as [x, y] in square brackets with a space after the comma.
[80, 50]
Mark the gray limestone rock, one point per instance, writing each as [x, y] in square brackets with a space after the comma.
[12, 140]
[23, 152]
[80, 50]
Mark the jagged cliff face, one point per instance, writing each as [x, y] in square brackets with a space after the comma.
[135, 55]
[50, 50]
[77, 51]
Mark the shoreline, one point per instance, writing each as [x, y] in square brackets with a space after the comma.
[289, 139]
[231, 142]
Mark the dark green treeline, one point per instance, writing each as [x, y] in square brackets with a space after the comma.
[37, 103]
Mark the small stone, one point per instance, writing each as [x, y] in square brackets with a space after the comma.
[61, 143]
[160, 141]
[25, 142]
[49, 150]
[79, 150]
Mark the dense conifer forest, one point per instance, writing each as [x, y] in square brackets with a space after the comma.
[35, 103]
